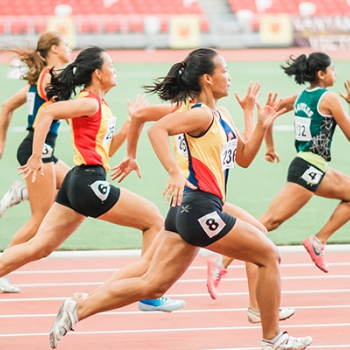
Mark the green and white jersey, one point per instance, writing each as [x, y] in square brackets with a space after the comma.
[313, 130]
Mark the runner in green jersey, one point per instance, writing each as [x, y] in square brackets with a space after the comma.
[317, 111]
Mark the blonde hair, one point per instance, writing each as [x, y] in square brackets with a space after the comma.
[36, 59]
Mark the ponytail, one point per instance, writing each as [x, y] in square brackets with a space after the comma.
[78, 73]
[305, 68]
[182, 80]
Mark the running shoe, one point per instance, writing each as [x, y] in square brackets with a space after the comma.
[214, 274]
[7, 287]
[284, 313]
[164, 304]
[64, 322]
[316, 251]
[286, 342]
[13, 196]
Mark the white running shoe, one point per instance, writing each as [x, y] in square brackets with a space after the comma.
[64, 322]
[164, 304]
[286, 342]
[15, 195]
[7, 287]
[284, 313]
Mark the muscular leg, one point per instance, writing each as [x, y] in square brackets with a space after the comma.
[287, 203]
[165, 269]
[246, 243]
[41, 196]
[134, 211]
[335, 185]
[251, 269]
[61, 170]
[59, 223]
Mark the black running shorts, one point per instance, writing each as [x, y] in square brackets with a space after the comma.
[25, 149]
[86, 191]
[199, 220]
[305, 174]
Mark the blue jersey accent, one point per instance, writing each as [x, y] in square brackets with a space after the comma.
[34, 105]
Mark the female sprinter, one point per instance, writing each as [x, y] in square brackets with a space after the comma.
[52, 51]
[317, 112]
[129, 163]
[195, 218]
[84, 191]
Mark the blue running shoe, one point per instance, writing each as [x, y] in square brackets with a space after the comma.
[164, 304]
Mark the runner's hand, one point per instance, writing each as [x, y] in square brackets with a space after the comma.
[34, 165]
[125, 167]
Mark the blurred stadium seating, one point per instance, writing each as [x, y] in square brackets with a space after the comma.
[223, 23]
[95, 16]
[293, 7]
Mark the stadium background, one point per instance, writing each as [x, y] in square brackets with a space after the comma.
[144, 38]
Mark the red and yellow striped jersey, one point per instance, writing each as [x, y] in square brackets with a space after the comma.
[92, 135]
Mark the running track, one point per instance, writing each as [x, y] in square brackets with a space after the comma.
[322, 303]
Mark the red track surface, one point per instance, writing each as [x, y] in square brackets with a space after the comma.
[322, 303]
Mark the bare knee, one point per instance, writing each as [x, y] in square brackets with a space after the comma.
[273, 255]
[155, 221]
[154, 290]
[270, 257]
[37, 251]
[270, 223]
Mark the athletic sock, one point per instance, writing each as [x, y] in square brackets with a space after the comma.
[24, 193]
[219, 263]
[318, 242]
[75, 315]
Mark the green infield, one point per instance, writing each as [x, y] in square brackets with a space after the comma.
[252, 188]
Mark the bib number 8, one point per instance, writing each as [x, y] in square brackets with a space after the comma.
[212, 224]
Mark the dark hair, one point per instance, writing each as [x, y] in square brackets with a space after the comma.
[36, 59]
[182, 80]
[305, 68]
[78, 73]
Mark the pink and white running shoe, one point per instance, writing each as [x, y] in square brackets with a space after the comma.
[214, 274]
[316, 251]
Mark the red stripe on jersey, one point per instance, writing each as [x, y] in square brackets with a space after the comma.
[85, 138]
[40, 83]
[206, 180]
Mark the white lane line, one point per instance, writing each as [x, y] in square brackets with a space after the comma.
[197, 280]
[182, 311]
[164, 330]
[232, 267]
[194, 295]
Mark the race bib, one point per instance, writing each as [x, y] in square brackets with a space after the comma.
[47, 151]
[30, 102]
[181, 145]
[312, 175]
[110, 130]
[302, 128]
[101, 189]
[228, 154]
[212, 224]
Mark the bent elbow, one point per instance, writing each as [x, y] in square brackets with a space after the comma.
[243, 162]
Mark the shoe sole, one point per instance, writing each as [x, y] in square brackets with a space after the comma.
[53, 338]
[209, 272]
[154, 309]
[307, 249]
[211, 295]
